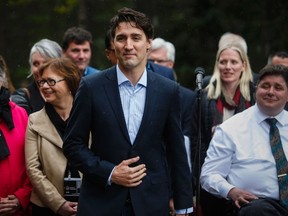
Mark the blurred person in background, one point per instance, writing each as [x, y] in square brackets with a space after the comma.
[109, 48]
[228, 38]
[51, 175]
[15, 187]
[279, 57]
[162, 53]
[77, 45]
[30, 98]
[4, 67]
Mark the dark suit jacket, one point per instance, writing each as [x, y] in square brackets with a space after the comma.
[30, 98]
[98, 109]
[187, 96]
[161, 70]
[187, 99]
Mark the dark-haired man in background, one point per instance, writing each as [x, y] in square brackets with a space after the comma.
[77, 45]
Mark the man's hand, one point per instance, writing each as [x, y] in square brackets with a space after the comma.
[240, 196]
[128, 176]
[9, 205]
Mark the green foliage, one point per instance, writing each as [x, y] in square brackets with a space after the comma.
[19, 2]
[66, 7]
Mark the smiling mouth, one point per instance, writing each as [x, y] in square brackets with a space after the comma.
[269, 99]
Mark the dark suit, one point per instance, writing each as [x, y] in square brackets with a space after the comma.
[161, 70]
[98, 109]
[187, 96]
[187, 99]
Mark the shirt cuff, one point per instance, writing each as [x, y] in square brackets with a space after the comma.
[109, 182]
[184, 211]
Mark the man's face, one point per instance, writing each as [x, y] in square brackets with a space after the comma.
[279, 60]
[159, 56]
[271, 95]
[131, 46]
[79, 54]
[110, 54]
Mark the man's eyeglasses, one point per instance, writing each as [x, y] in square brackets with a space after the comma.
[50, 82]
[159, 61]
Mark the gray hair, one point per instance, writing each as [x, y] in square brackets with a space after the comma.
[158, 43]
[47, 49]
[229, 38]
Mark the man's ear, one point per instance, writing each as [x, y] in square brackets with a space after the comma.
[149, 44]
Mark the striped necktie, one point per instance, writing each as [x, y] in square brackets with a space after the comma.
[280, 159]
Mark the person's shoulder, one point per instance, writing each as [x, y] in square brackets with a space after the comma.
[285, 110]
[92, 69]
[240, 118]
[160, 78]
[186, 91]
[161, 70]
[18, 111]
[154, 67]
[21, 92]
[38, 113]
[16, 108]
[94, 78]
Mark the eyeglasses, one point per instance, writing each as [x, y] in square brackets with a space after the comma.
[50, 82]
[159, 61]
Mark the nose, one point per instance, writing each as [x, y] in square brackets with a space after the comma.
[228, 65]
[81, 54]
[129, 44]
[271, 90]
[45, 85]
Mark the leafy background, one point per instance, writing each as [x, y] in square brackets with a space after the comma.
[193, 26]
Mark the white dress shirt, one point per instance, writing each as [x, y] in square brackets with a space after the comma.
[239, 155]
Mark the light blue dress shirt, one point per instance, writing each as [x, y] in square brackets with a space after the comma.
[133, 101]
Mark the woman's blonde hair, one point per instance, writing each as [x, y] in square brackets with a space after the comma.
[215, 85]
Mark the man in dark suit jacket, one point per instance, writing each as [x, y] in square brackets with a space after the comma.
[133, 116]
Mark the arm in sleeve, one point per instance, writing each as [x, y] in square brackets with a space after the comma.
[76, 138]
[217, 165]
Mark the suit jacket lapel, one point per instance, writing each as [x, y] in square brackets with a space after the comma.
[113, 96]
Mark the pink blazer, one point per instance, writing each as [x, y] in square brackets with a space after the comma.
[13, 175]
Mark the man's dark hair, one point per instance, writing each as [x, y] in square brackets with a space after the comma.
[135, 18]
[77, 35]
[280, 54]
[274, 70]
[108, 39]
